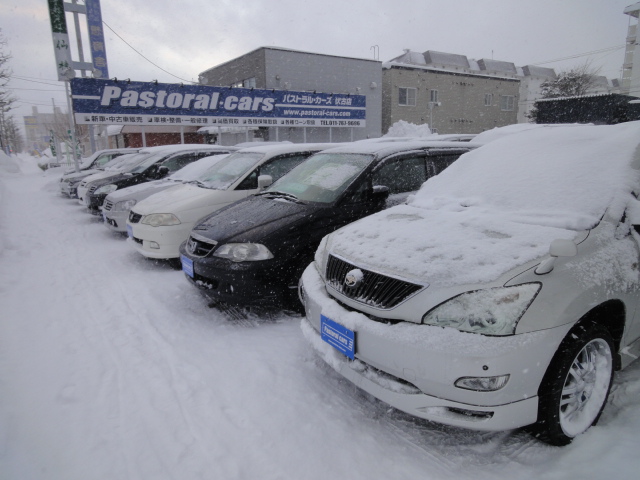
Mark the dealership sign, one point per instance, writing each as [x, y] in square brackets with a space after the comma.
[122, 102]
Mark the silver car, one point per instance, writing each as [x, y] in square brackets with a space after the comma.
[503, 295]
[117, 205]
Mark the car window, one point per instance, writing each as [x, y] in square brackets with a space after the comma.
[402, 175]
[177, 162]
[229, 170]
[105, 158]
[276, 168]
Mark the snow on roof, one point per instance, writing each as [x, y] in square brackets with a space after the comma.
[497, 66]
[383, 149]
[535, 71]
[410, 57]
[499, 206]
[448, 59]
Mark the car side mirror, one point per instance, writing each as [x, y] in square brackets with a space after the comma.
[559, 248]
[380, 192]
[264, 181]
[162, 172]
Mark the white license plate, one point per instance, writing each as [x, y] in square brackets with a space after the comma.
[339, 337]
[187, 265]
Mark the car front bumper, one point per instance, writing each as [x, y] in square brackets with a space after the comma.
[161, 242]
[69, 190]
[260, 283]
[414, 367]
[115, 220]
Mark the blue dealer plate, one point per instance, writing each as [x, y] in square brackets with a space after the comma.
[339, 337]
[187, 265]
[129, 231]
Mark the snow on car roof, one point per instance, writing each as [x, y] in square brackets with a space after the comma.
[276, 149]
[383, 149]
[500, 206]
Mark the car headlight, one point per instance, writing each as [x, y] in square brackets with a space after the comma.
[106, 189]
[124, 206]
[494, 311]
[243, 252]
[160, 219]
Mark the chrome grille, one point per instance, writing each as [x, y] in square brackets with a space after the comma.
[108, 205]
[134, 217]
[200, 246]
[375, 290]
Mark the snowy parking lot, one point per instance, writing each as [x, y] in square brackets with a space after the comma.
[112, 366]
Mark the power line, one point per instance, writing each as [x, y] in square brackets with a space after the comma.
[26, 79]
[602, 50]
[152, 63]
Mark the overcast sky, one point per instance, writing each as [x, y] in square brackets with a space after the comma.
[186, 37]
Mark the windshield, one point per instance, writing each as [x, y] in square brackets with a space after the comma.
[149, 160]
[193, 170]
[228, 170]
[323, 177]
[124, 161]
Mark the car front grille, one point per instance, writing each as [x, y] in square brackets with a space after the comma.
[134, 217]
[200, 246]
[83, 183]
[108, 205]
[92, 189]
[374, 289]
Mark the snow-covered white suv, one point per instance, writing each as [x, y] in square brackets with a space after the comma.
[503, 295]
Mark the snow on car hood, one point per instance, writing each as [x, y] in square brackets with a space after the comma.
[500, 206]
[180, 198]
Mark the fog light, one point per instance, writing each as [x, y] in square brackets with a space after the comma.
[154, 245]
[482, 384]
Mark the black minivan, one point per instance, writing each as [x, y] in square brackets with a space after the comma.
[252, 252]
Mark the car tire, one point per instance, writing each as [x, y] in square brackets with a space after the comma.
[576, 386]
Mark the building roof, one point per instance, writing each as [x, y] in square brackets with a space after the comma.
[633, 10]
[446, 59]
[535, 71]
[285, 50]
[491, 65]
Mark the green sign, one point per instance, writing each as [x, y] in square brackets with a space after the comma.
[58, 20]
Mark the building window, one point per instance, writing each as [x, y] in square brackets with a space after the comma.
[488, 99]
[407, 96]
[433, 96]
[506, 102]
[249, 82]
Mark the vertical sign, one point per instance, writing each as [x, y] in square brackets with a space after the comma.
[60, 38]
[96, 39]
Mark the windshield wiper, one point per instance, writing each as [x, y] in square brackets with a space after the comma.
[198, 183]
[277, 194]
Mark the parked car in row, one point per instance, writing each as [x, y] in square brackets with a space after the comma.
[93, 164]
[116, 206]
[254, 251]
[503, 295]
[158, 165]
[159, 224]
[115, 166]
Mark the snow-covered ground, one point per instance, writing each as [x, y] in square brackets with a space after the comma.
[113, 367]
